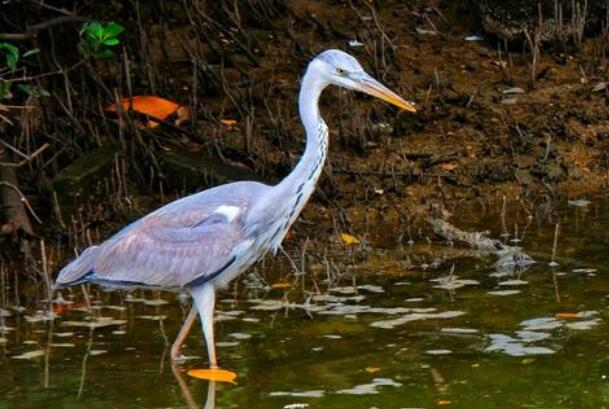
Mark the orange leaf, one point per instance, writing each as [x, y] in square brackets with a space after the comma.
[218, 375]
[443, 402]
[565, 315]
[280, 286]
[59, 308]
[150, 105]
[372, 369]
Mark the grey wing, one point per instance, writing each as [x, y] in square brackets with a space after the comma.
[192, 239]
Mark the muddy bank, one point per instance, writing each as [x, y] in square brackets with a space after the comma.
[492, 119]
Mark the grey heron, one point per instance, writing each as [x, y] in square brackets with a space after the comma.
[201, 242]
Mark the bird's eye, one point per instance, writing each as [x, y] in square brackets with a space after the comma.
[340, 71]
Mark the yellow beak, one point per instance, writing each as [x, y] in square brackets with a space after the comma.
[372, 87]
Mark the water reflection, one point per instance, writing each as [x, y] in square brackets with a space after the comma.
[210, 400]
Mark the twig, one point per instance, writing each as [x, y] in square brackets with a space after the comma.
[33, 31]
[23, 199]
[27, 158]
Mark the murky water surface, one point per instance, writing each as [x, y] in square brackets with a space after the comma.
[480, 338]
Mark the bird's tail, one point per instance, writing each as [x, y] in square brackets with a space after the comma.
[78, 268]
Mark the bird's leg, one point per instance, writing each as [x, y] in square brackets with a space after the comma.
[184, 331]
[205, 298]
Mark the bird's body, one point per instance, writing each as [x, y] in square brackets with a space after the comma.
[201, 242]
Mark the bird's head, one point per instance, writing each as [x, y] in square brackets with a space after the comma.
[339, 68]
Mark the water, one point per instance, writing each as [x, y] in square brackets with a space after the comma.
[396, 341]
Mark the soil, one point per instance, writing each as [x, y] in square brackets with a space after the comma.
[487, 125]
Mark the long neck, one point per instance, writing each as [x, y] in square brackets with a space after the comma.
[279, 208]
[306, 173]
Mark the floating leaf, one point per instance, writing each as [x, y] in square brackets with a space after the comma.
[218, 375]
[390, 324]
[513, 282]
[155, 302]
[30, 354]
[371, 288]
[438, 352]
[443, 402]
[370, 388]
[459, 331]
[98, 323]
[372, 369]
[152, 317]
[584, 325]
[62, 344]
[565, 315]
[348, 239]
[239, 335]
[222, 344]
[303, 394]
[503, 293]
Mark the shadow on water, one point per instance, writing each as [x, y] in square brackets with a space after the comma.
[421, 326]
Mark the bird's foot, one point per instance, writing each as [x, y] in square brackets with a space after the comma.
[213, 374]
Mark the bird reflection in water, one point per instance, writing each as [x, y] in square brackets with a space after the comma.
[210, 401]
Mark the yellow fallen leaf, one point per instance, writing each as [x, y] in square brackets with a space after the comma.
[443, 402]
[527, 361]
[447, 167]
[218, 375]
[565, 315]
[348, 239]
[372, 369]
[228, 122]
[280, 286]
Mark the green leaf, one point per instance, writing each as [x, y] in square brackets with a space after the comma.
[111, 42]
[11, 61]
[31, 52]
[4, 88]
[94, 31]
[113, 29]
[105, 53]
[11, 55]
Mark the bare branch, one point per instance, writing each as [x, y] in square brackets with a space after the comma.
[33, 31]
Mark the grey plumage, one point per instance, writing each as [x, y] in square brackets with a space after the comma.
[177, 244]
